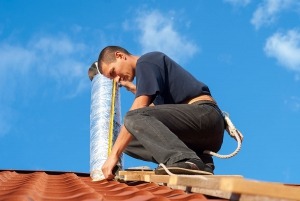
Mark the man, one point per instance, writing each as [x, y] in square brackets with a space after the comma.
[184, 121]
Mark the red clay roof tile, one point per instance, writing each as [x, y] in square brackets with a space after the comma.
[46, 186]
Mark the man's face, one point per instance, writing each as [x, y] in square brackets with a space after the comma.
[120, 70]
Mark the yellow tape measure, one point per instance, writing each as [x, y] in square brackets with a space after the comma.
[112, 116]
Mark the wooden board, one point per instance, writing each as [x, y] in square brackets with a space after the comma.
[134, 175]
[233, 187]
[252, 187]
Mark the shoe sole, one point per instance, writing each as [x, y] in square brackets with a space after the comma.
[178, 170]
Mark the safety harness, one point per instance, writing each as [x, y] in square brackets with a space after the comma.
[234, 133]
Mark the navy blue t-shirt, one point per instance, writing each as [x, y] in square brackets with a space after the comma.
[165, 81]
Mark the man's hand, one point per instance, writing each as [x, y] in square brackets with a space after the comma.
[108, 166]
[129, 86]
[120, 144]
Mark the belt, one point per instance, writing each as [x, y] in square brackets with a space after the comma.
[199, 102]
[200, 98]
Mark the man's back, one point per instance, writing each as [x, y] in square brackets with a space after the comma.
[166, 81]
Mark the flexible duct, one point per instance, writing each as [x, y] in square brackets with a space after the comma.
[104, 122]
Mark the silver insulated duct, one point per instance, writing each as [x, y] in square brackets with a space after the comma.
[105, 121]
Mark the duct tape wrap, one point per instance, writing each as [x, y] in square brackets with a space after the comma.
[104, 122]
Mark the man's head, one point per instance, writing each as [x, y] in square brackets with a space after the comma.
[116, 62]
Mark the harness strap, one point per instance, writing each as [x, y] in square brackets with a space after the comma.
[234, 133]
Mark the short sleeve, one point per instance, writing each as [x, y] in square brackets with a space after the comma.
[149, 80]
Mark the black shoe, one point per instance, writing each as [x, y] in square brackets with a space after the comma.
[189, 167]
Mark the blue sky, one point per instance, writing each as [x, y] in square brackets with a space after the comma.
[247, 51]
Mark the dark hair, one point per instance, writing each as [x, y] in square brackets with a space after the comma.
[107, 55]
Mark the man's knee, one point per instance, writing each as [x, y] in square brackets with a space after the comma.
[134, 122]
[129, 120]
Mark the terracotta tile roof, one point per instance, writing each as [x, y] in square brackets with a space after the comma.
[43, 185]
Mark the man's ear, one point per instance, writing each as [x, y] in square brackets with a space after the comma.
[120, 55]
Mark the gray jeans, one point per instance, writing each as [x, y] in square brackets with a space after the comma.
[174, 132]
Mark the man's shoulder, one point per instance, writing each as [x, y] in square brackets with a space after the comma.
[152, 55]
[153, 61]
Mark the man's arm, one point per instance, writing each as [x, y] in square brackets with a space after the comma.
[129, 86]
[122, 140]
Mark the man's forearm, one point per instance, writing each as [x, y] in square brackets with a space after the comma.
[121, 142]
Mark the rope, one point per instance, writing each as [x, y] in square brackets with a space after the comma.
[166, 169]
[233, 132]
[172, 174]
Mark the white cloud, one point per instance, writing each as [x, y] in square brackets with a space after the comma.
[15, 58]
[158, 34]
[268, 11]
[60, 45]
[57, 58]
[27, 69]
[16, 64]
[285, 48]
[293, 103]
[238, 2]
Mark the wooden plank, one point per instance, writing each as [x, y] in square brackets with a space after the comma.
[210, 192]
[147, 176]
[207, 185]
[134, 175]
[164, 179]
[258, 188]
[206, 181]
[246, 189]
[195, 181]
[233, 187]
[245, 197]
